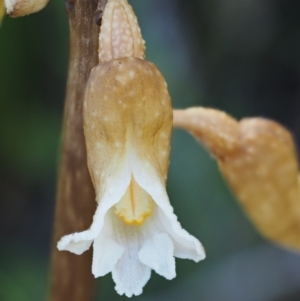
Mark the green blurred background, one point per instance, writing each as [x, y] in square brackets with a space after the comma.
[241, 56]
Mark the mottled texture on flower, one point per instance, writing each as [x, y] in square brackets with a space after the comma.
[19, 8]
[257, 158]
[120, 33]
[128, 124]
[129, 110]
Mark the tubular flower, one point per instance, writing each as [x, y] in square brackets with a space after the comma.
[127, 126]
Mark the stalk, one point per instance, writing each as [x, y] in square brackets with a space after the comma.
[71, 277]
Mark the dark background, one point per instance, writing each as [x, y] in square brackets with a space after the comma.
[240, 56]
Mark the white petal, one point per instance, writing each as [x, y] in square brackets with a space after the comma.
[158, 254]
[113, 191]
[65, 244]
[129, 274]
[186, 246]
[107, 251]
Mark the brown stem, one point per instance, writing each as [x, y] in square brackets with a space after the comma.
[71, 277]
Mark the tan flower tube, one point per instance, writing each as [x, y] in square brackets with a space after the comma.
[258, 160]
[19, 8]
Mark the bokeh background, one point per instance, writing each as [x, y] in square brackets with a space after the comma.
[240, 56]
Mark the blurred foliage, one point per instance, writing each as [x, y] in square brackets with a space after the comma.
[241, 56]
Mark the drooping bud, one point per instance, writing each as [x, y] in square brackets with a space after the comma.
[257, 158]
[264, 175]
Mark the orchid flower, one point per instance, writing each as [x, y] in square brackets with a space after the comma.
[257, 158]
[127, 126]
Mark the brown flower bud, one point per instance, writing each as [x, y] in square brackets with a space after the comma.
[257, 158]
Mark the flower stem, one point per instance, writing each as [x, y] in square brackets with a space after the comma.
[71, 277]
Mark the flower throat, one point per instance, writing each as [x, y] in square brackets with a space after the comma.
[135, 205]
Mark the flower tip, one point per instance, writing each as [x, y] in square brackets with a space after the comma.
[67, 243]
[201, 254]
[128, 293]
[120, 34]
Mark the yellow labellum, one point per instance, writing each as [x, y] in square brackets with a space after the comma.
[135, 205]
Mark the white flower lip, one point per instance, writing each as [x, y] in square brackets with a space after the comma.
[131, 251]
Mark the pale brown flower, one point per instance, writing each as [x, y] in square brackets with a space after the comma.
[258, 159]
